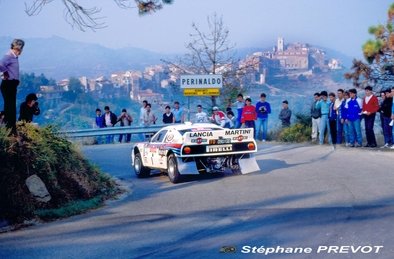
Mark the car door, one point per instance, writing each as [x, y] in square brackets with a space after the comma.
[157, 149]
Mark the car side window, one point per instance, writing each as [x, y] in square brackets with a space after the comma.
[170, 137]
[159, 136]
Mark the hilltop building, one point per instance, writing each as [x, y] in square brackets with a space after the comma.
[294, 57]
[286, 60]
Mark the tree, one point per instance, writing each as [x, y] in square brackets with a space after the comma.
[87, 18]
[211, 53]
[378, 70]
[75, 89]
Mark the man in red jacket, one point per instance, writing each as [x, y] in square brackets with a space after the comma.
[370, 107]
[249, 114]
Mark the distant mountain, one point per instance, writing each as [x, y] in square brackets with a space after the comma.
[60, 58]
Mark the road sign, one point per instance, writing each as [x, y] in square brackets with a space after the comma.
[201, 91]
[201, 81]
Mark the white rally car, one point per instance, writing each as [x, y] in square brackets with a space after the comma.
[195, 149]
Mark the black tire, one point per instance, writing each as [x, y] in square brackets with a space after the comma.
[236, 170]
[172, 169]
[234, 165]
[140, 170]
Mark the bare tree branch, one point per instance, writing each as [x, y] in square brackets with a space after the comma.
[82, 18]
[211, 52]
[125, 4]
[183, 69]
[36, 7]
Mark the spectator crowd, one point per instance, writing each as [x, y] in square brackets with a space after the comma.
[247, 115]
[336, 118]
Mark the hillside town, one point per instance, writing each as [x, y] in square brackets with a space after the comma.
[284, 60]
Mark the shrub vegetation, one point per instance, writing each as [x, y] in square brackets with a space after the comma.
[69, 178]
[299, 132]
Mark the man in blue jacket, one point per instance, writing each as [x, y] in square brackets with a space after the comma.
[263, 108]
[354, 109]
[100, 124]
[343, 117]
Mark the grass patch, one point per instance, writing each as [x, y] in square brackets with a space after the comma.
[299, 132]
[296, 133]
[70, 209]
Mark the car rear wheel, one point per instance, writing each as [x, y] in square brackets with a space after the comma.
[234, 165]
[172, 169]
[140, 170]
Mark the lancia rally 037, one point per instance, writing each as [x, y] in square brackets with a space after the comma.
[182, 149]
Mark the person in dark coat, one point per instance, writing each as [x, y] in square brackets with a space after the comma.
[285, 114]
[168, 116]
[29, 108]
[385, 117]
[110, 119]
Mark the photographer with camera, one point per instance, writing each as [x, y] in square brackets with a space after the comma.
[263, 108]
[29, 108]
[125, 120]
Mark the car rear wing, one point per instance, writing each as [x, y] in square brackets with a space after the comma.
[218, 142]
[218, 137]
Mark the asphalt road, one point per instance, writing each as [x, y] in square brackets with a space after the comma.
[305, 196]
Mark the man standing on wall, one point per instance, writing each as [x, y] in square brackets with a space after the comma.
[9, 66]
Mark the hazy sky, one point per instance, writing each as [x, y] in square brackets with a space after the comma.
[337, 24]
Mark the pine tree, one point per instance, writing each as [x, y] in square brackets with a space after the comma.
[378, 70]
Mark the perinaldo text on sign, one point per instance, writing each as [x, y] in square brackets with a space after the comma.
[201, 81]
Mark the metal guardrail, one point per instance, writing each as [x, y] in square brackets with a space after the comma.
[110, 131]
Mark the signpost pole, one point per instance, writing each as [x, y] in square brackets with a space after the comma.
[188, 108]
